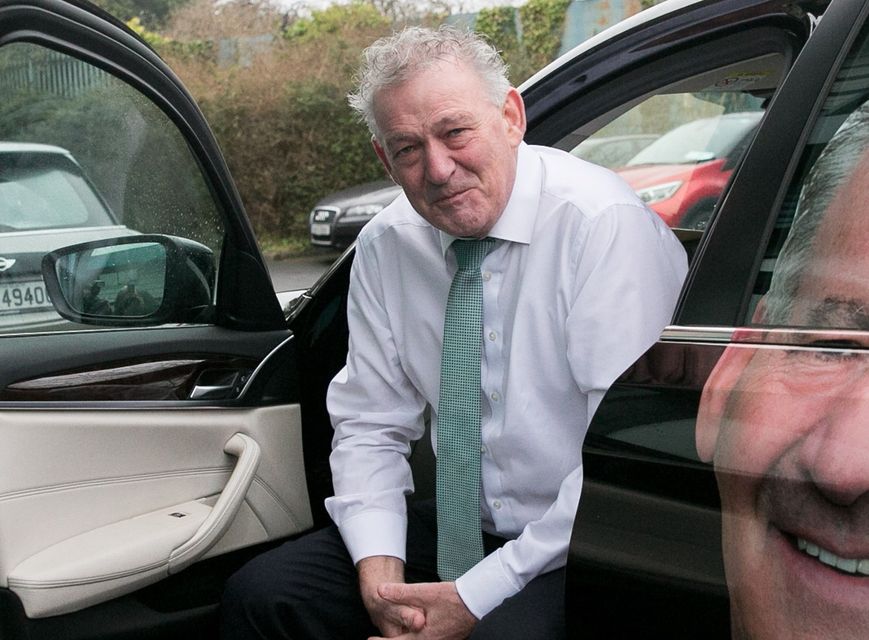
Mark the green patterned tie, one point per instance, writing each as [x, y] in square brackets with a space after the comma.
[460, 540]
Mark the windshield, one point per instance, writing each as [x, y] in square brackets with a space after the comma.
[700, 140]
[46, 191]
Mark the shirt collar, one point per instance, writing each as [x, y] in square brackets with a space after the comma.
[516, 223]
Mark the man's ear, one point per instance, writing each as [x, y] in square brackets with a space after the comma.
[514, 116]
[381, 153]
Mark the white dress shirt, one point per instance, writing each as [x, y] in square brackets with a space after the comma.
[580, 283]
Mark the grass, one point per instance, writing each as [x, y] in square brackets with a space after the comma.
[284, 248]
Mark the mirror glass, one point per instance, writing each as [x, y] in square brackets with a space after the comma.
[126, 280]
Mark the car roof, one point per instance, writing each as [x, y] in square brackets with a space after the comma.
[632, 22]
[377, 192]
[655, 13]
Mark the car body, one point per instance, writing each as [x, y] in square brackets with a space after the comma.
[143, 463]
[682, 174]
[613, 152]
[46, 202]
[337, 219]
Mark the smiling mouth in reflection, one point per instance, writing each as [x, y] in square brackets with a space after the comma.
[850, 566]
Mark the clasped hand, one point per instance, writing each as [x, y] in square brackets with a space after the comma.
[424, 611]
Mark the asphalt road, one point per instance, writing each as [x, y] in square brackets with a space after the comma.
[299, 273]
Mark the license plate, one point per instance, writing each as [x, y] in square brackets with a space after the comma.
[321, 229]
[21, 296]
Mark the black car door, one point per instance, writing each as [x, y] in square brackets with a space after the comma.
[715, 463]
[145, 454]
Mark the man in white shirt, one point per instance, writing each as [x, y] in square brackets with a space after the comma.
[580, 281]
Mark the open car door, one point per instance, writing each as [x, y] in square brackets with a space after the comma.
[150, 418]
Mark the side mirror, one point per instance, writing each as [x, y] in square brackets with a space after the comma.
[133, 281]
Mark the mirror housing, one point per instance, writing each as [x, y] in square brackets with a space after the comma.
[132, 281]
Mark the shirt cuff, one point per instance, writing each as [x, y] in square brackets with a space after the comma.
[375, 533]
[485, 585]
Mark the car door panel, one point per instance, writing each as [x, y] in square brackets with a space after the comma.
[112, 485]
[647, 529]
[647, 544]
[140, 465]
[157, 364]
[104, 459]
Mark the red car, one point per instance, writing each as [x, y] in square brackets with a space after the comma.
[682, 173]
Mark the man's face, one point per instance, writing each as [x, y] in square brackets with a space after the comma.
[450, 148]
[788, 432]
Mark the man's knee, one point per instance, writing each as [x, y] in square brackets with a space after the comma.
[246, 589]
[304, 589]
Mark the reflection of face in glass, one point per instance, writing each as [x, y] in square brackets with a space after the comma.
[788, 432]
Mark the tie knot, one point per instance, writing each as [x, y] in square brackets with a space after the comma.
[470, 253]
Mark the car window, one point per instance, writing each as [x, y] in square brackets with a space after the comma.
[833, 176]
[688, 144]
[701, 126]
[84, 157]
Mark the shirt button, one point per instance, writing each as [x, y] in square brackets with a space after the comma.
[497, 504]
[482, 449]
[495, 397]
[493, 336]
[487, 275]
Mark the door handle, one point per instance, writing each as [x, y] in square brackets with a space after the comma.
[219, 384]
[225, 509]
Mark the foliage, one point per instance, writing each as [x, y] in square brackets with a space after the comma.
[279, 111]
[498, 25]
[154, 12]
[283, 121]
[542, 27]
[168, 46]
[336, 19]
[540, 38]
[151, 37]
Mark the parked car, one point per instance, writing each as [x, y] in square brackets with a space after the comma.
[613, 152]
[682, 174]
[337, 219]
[143, 463]
[46, 202]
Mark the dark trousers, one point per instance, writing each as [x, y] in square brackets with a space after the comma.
[307, 589]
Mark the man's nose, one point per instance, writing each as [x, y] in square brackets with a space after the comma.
[439, 163]
[835, 452]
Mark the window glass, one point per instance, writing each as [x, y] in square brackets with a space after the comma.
[677, 150]
[84, 157]
[688, 138]
[813, 274]
[783, 414]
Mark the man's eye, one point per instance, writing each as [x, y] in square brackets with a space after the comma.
[826, 353]
[403, 151]
[454, 133]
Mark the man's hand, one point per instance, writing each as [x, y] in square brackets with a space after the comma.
[446, 616]
[393, 619]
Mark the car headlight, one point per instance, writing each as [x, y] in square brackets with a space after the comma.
[659, 192]
[361, 212]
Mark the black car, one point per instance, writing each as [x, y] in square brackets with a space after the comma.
[726, 471]
[337, 219]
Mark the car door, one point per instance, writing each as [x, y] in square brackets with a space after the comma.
[145, 455]
[690, 518]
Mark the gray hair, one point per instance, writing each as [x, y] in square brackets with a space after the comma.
[834, 166]
[394, 59]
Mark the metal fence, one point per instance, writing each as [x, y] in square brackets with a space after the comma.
[49, 72]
